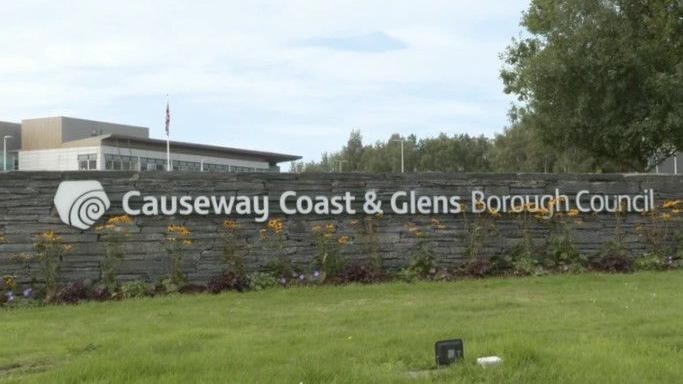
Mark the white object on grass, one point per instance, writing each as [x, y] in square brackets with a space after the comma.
[489, 361]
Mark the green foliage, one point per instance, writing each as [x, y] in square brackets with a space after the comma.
[234, 261]
[177, 240]
[328, 245]
[272, 239]
[613, 256]
[601, 76]
[259, 281]
[114, 234]
[137, 288]
[560, 252]
[50, 250]
[650, 262]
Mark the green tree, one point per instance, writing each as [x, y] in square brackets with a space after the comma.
[602, 76]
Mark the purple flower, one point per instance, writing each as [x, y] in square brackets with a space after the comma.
[316, 273]
[28, 292]
[302, 277]
[10, 296]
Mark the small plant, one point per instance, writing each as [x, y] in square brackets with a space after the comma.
[359, 272]
[328, 245]
[50, 250]
[227, 281]
[259, 281]
[114, 234]
[273, 239]
[72, 293]
[177, 239]
[613, 257]
[477, 230]
[25, 259]
[422, 258]
[135, 288]
[561, 254]
[367, 230]
[233, 260]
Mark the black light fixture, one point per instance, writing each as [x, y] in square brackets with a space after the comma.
[448, 351]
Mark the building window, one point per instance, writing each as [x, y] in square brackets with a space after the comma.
[192, 166]
[87, 162]
[120, 163]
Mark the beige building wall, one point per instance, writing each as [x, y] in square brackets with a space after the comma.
[51, 132]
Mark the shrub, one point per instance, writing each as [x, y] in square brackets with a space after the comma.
[328, 247]
[72, 293]
[233, 260]
[262, 280]
[477, 268]
[422, 261]
[227, 281]
[407, 275]
[650, 262]
[135, 288]
[113, 233]
[272, 238]
[177, 239]
[612, 257]
[360, 273]
[50, 250]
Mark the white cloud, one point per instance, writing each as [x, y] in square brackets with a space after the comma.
[244, 64]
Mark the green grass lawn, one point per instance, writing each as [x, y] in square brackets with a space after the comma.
[589, 328]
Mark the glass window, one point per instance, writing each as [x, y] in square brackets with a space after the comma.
[87, 162]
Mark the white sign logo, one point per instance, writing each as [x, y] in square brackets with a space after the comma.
[81, 203]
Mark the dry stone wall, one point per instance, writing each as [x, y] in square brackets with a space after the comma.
[27, 208]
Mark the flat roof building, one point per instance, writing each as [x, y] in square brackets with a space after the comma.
[67, 144]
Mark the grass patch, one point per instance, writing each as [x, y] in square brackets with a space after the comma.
[570, 329]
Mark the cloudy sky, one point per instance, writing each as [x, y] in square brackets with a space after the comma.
[290, 76]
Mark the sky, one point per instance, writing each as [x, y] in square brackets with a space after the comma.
[291, 76]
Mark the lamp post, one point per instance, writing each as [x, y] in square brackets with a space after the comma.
[4, 152]
[401, 140]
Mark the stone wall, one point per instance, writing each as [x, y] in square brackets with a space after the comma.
[27, 208]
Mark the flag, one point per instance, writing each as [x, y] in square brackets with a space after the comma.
[168, 118]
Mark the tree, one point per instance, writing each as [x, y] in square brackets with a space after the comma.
[602, 76]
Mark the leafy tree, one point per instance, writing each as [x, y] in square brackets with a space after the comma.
[602, 76]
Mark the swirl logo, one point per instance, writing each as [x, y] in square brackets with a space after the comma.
[81, 203]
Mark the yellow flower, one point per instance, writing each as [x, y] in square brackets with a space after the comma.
[343, 239]
[10, 281]
[316, 228]
[67, 247]
[230, 225]
[187, 242]
[330, 228]
[676, 211]
[573, 212]
[354, 222]
[2, 239]
[671, 203]
[666, 216]
[435, 221]
[263, 232]
[479, 204]
[50, 236]
[122, 219]
[493, 212]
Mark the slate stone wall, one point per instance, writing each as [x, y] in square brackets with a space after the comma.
[26, 208]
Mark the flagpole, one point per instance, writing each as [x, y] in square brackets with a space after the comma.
[168, 153]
